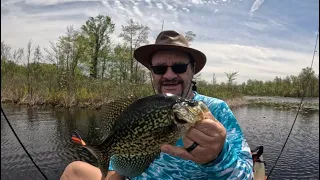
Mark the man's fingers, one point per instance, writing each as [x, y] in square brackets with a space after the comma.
[194, 135]
[177, 151]
[187, 142]
[209, 127]
[182, 153]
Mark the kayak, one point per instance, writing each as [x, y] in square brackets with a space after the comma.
[258, 164]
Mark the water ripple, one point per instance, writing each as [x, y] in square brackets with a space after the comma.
[270, 128]
[45, 134]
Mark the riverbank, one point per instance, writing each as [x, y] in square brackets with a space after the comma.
[305, 106]
[237, 102]
[96, 103]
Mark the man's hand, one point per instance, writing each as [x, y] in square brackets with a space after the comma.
[208, 133]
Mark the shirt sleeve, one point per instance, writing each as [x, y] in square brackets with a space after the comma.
[235, 160]
[110, 164]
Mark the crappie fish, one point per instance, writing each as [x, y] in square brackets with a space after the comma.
[137, 129]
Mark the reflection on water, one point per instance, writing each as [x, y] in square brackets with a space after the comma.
[45, 133]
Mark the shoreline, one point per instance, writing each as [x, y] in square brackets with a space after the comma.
[236, 102]
[305, 106]
[232, 103]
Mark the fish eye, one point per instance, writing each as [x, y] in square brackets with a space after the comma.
[192, 103]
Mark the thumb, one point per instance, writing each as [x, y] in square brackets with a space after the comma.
[177, 151]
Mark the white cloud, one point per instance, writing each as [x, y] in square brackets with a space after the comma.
[47, 2]
[197, 2]
[137, 11]
[186, 9]
[252, 62]
[159, 5]
[262, 48]
[255, 6]
[172, 7]
[149, 3]
[119, 5]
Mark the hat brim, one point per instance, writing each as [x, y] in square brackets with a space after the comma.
[144, 54]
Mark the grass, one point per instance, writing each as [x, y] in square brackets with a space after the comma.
[91, 93]
[87, 93]
[286, 105]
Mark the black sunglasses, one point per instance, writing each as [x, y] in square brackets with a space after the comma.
[176, 68]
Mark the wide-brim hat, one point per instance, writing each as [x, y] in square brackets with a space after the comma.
[169, 40]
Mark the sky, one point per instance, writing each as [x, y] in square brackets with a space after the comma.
[259, 39]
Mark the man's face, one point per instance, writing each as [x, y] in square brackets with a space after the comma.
[169, 81]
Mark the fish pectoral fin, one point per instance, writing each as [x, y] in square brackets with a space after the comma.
[92, 151]
[76, 138]
[133, 165]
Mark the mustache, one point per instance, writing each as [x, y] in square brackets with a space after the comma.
[173, 81]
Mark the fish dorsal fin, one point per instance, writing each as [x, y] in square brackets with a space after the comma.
[110, 112]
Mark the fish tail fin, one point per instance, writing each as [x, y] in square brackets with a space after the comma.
[76, 138]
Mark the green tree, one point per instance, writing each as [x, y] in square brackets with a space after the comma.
[214, 79]
[120, 64]
[29, 81]
[97, 31]
[190, 36]
[307, 79]
[135, 35]
[231, 77]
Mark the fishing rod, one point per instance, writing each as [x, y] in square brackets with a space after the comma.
[24, 148]
[294, 121]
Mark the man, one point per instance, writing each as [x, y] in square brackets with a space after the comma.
[215, 148]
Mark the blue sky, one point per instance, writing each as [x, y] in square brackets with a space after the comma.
[260, 39]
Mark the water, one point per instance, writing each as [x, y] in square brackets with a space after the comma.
[269, 127]
[45, 133]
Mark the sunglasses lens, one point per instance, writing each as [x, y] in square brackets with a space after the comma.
[159, 69]
[179, 68]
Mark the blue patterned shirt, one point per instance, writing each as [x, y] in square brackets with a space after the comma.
[234, 161]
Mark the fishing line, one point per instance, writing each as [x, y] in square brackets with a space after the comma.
[5, 117]
[294, 121]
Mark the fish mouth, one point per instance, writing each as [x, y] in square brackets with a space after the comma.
[179, 120]
[189, 112]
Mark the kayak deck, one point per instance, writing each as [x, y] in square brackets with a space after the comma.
[258, 164]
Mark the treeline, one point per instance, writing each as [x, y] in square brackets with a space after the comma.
[305, 83]
[290, 86]
[86, 66]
